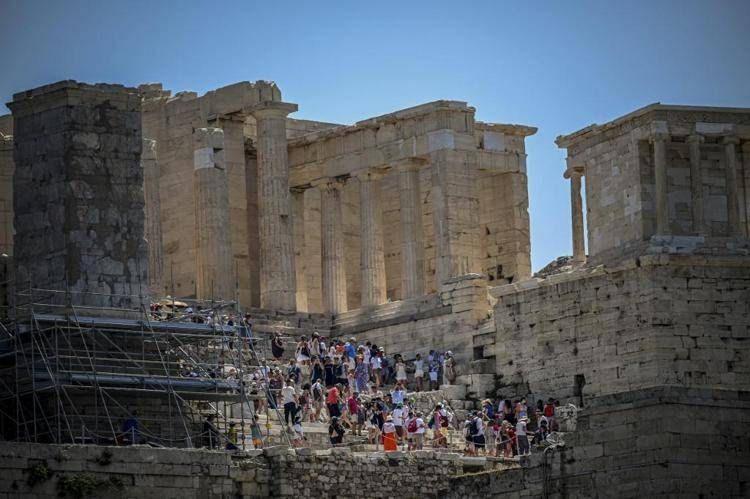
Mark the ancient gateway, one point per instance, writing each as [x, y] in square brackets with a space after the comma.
[409, 230]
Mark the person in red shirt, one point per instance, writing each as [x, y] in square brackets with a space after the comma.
[332, 402]
[353, 405]
[549, 413]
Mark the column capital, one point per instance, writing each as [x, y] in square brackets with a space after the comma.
[695, 138]
[271, 109]
[329, 183]
[574, 171]
[659, 131]
[369, 174]
[730, 139]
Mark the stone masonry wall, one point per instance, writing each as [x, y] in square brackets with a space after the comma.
[660, 320]
[78, 192]
[660, 442]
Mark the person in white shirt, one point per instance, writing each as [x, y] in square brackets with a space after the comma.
[289, 397]
[419, 434]
[398, 421]
[418, 371]
[376, 364]
[521, 438]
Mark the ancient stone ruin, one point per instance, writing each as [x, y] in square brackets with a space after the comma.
[409, 230]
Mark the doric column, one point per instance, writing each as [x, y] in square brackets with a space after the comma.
[659, 139]
[576, 212]
[277, 270]
[152, 210]
[412, 247]
[213, 255]
[300, 251]
[696, 183]
[733, 204]
[371, 224]
[332, 243]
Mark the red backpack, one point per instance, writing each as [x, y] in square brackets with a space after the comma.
[412, 427]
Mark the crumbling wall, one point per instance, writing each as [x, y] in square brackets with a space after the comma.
[78, 192]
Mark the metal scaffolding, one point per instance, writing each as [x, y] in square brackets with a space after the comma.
[71, 373]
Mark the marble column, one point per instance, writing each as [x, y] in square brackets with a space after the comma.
[332, 246]
[371, 224]
[412, 247]
[300, 253]
[152, 208]
[277, 269]
[576, 211]
[214, 278]
[661, 204]
[733, 204]
[696, 183]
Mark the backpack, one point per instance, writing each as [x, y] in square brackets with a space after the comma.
[412, 427]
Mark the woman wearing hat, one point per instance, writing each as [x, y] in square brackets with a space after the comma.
[389, 435]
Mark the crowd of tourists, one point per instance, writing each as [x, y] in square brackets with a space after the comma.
[359, 390]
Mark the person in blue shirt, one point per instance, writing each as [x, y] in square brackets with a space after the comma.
[130, 429]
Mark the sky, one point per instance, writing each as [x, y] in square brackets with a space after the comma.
[555, 65]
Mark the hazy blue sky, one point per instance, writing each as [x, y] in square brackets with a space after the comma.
[558, 66]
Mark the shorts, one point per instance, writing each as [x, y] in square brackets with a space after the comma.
[257, 443]
[400, 431]
[418, 374]
[478, 441]
[401, 377]
[433, 375]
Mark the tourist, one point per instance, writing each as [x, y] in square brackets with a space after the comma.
[298, 435]
[314, 345]
[316, 370]
[434, 370]
[398, 393]
[361, 374]
[449, 369]
[302, 353]
[478, 434]
[293, 371]
[488, 410]
[400, 371]
[210, 432]
[509, 439]
[130, 432]
[496, 430]
[317, 390]
[336, 431]
[397, 416]
[377, 367]
[232, 436]
[541, 433]
[469, 430]
[353, 408]
[277, 346]
[390, 443]
[329, 370]
[289, 399]
[332, 402]
[420, 429]
[521, 437]
[350, 348]
[371, 423]
[506, 409]
[439, 421]
[549, 413]
[521, 410]
[418, 372]
[255, 433]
